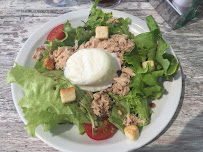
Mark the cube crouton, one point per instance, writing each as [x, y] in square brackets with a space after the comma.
[131, 132]
[144, 65]
[102, 32]
[67, 95]
[49, 63]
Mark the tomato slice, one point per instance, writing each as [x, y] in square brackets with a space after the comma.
[57, 32]
[103, 133]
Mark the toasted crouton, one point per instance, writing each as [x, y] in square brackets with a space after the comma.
[131, 132]
[67, 95]
[102, 32]
[144, 65]
[49, 63]
[119, 112]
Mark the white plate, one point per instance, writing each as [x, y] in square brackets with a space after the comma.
[66, 137]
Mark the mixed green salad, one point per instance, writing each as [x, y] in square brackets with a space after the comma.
[42, 102]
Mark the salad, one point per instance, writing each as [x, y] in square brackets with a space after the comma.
[99, 76]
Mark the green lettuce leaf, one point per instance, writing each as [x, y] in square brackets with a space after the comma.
[162, 47]
[146, 44]
[82, 35]
[151, 23]
[120, 28]
[42, 102]
[130, 103]
[123, 106]
[69, 39]
[70, 34]
[147, 85]
[139, 106]
[117, 119]
[98, 18]
[133, 60]
[85, 101]
[153, 92]
[152, 77]
[163, 60]
[174, 66]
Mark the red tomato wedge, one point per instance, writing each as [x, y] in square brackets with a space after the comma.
[103, 133]
[57, 32]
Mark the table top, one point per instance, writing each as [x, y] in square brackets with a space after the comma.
[20, 18]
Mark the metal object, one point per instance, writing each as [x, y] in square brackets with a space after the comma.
[176, 12]
[183, 5]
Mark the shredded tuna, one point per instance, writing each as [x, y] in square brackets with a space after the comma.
[92, 43]
[38, 53]
[132, 119]
[60, 56]
[128, 71]
[118, 44]
[121, 83]
[120, 90]
[122, 80]
[113, 20]
[101, 104]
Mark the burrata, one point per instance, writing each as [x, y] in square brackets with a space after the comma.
[91, 69]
